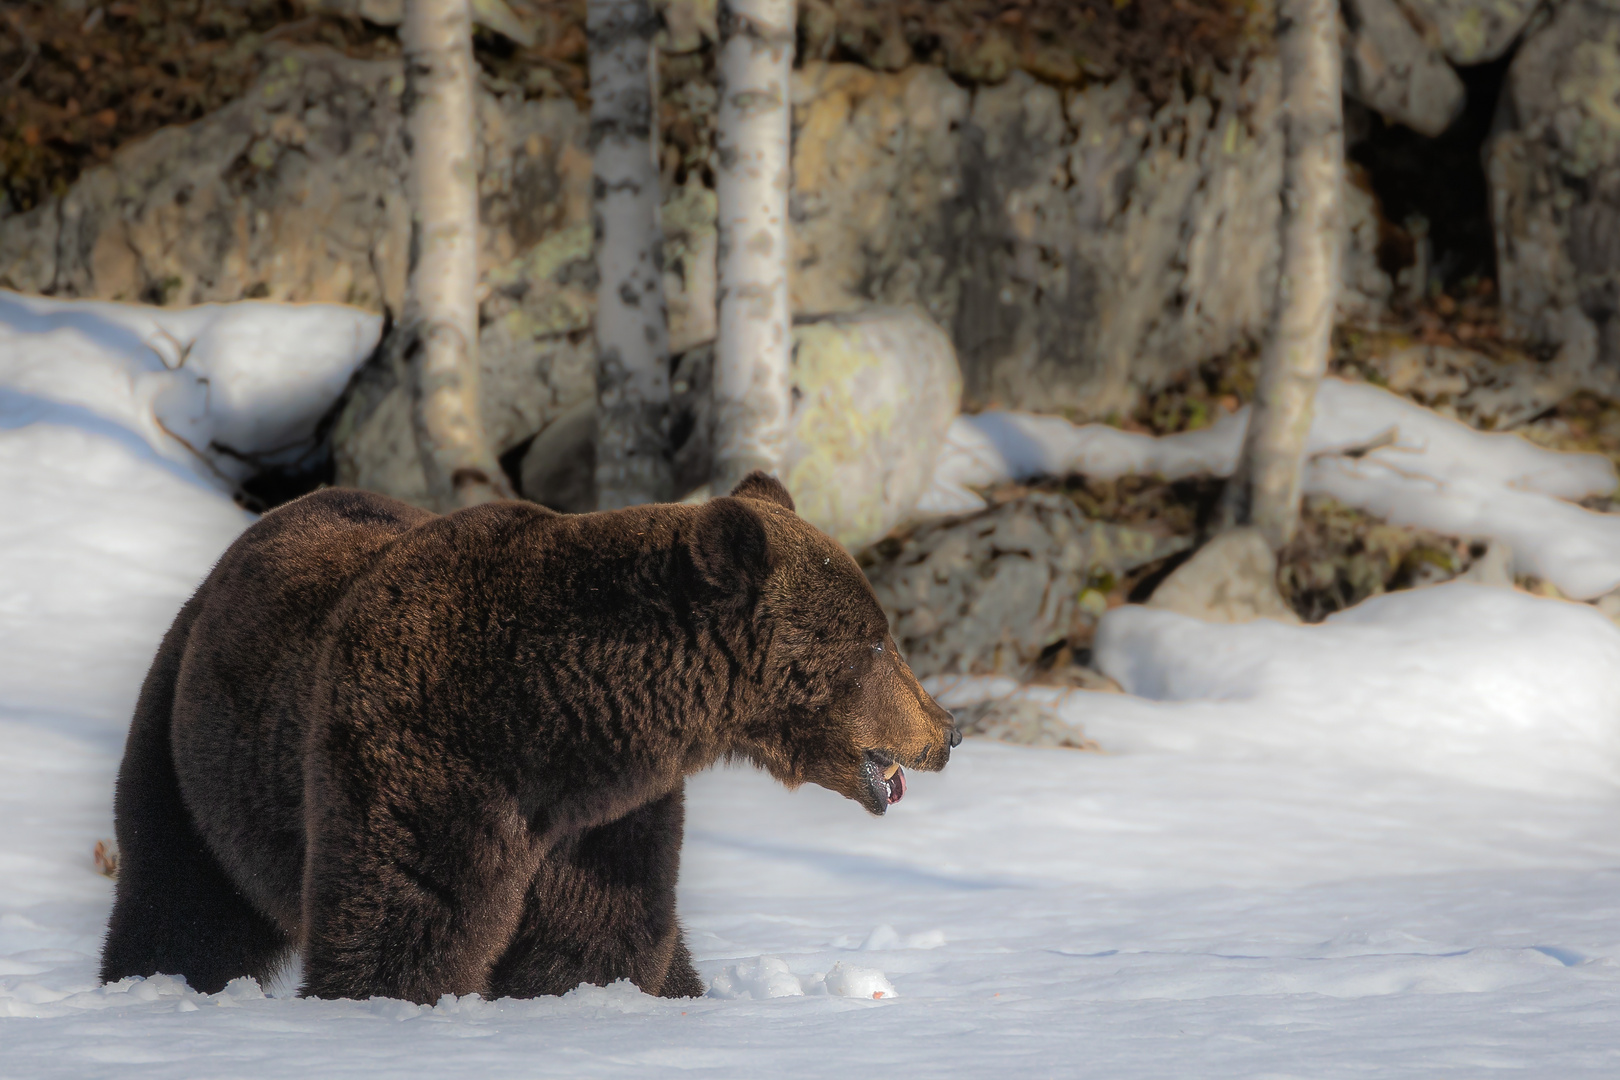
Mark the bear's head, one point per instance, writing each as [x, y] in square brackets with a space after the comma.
[837, 705]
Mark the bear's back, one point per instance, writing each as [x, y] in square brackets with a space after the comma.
[239, 714]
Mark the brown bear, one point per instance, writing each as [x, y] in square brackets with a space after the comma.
[447, 754]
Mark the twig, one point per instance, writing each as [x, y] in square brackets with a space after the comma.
[1384, 438]
[290, 28]
[28, 43]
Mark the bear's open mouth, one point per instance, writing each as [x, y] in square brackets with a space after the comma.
[886, 778]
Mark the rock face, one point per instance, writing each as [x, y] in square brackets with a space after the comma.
[1077, 247]
[1554, 171]
[874, 393]
[989, 593]
[1071, 247]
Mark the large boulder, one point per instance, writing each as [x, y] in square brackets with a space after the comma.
[1554, 171]
[991, 592]
[874, 393]
[1388, 66]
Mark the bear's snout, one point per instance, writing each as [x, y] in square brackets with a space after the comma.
[905, 724]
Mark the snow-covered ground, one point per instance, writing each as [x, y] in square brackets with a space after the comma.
[1383, 846]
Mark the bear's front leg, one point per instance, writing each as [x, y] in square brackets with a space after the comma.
[412, 895]
[601, 908]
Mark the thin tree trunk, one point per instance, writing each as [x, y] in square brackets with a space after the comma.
[1265, 490]
[632, 335]
[754, 346]
[439, 326]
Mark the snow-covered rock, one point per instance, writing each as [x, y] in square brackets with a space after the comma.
[223, 389]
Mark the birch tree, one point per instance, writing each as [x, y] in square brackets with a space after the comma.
[439, 326]
[632, 336]
[753, 348]
[1265, 490]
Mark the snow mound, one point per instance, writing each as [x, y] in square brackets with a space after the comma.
[1487, 685]
[765, 977]
[224, 389]
[847, 980]
[1367, 448]
[760, 978]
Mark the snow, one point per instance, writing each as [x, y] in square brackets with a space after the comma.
[1368, 448]
[1384, 845]
[205, 387]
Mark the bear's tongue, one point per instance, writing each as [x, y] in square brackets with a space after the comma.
[896, 781]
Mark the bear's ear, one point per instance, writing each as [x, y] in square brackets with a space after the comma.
[729, 546]
[763, 486]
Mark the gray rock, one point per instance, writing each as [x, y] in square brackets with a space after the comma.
[1472, 31]
[989, 593]
[1389, 67]
[874, 393]
[1231, 579]
[1495, 567]
[1554, 172]
[559, 467]
[1021, 721]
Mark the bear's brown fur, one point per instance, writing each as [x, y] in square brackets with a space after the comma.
[447, 754]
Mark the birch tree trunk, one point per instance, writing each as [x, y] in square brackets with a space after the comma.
[1265, 490]
[753, 348]
[439, 326]
[632, 335]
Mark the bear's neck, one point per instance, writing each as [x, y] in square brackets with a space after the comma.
[637, 673]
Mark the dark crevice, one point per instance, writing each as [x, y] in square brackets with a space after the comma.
[1440, 179]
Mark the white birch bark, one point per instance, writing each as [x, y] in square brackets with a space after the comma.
[632, 335]
[439, 326]
[1265, 491]
[753, 348]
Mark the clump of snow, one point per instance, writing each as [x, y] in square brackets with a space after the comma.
[765, 977]
[225, 389]
[847, 980]
[1367, 448]
[760, 978]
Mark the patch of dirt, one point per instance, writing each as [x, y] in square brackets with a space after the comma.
[1585, 421]
[1341, 556]
[79, 85]
[1162, 45]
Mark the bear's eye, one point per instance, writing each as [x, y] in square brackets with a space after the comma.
[878, 647]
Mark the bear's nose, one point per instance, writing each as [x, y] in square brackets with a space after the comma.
[956, 737]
